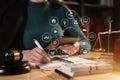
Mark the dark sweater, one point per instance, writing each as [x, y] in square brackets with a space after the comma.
[13, 26]
[39, 25]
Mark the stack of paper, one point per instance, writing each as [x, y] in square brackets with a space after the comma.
[83, 66]
[79, 66]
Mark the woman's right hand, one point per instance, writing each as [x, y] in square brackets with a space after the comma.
[35, 56]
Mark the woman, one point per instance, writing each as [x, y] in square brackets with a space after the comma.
[22, 21]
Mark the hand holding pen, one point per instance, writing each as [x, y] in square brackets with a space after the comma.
[41, 51]
[54, 58]
[36, 56]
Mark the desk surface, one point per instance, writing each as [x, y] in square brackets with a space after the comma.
[38, 74]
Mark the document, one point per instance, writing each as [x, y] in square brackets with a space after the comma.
[76, 64]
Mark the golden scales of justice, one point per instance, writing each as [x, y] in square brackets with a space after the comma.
[98, 40]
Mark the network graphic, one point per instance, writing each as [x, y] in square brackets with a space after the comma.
[66, 25]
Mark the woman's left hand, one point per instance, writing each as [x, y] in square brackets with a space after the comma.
[70, 48]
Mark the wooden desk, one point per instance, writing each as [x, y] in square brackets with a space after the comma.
[38, 74]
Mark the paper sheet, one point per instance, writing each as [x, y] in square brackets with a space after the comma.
[75, 60]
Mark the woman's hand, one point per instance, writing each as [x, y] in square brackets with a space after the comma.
[70, 48]
[35, 56]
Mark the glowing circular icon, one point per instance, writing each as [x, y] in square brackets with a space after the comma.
[84, 30]
[64, 22]
[53, 21]
[52, 52]
[56, 52]
[46, 37]
[75, 22]
[92, 36]
[83, 43]
[85, 20]
[70, 14]
[55, 42]
[54, 31]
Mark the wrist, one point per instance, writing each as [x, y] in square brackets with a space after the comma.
[26, 54]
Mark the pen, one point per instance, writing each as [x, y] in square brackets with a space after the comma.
[62, 73]
[38, 44]
[61, 59]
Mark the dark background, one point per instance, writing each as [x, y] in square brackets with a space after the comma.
[99, 15]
